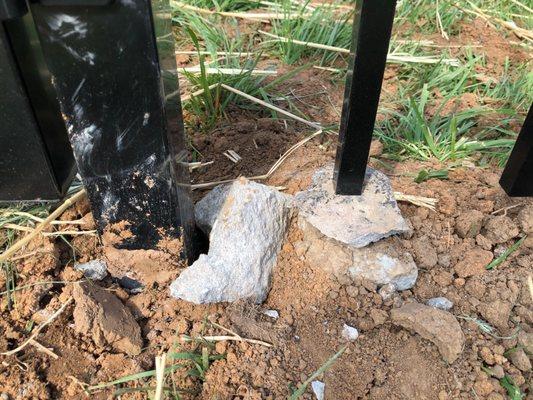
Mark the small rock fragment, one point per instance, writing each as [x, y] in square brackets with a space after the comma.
[442, 303]
[474, 263]
[500, 229]
[525, 340]
[525, 219]
[95, 269]
[468, 224]
[497, 371]
[100, 315]
[520, 359]
[376, 148]
[496, 313]
[349, 332]
[387, 291]
[378, 316]
[207, 210]
[437, 326]
[319, 389]
[271, 313]
[379, 263]
[424, 253]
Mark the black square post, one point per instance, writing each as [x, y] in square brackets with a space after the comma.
[113, 70]
[517, 177]
[371, 36]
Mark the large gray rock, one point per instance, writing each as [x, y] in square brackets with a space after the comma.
[206, 210]
[353, 220]
[383, 263]
[247, 224]
[349, 235]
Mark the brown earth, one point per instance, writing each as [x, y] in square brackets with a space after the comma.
[385, 362]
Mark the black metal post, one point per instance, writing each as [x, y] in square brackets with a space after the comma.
[37, 162]
[371, 36]
[124, 122]
[517, 177]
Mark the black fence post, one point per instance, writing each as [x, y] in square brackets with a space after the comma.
[517, 177]
[371, 36]
[122, 112]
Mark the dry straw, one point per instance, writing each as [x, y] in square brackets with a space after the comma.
[6, 255]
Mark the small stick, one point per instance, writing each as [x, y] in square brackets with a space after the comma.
[229, 71]
[196, 165]
[426, 202]
[160, 362]
[226, 338]
[39, 228]
[439, 22]
[35, 218]
[327, 68]
[193, 94]
[308, 44]
[218, 53]
[43, 349]
[272, 107]
[523, 6]
[250, 16]
[38, 329]
[505, 209]
[56, 233]
[400, 58]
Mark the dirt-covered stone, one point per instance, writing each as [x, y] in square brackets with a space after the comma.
[520, 359]
[474, 263]
[500, 229]
[382, 263]
[424, 253]
[437, 326]
[525, 219]
[100, 315]
[468, 225]
[496, 313]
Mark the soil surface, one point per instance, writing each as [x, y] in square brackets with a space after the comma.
[474, 223]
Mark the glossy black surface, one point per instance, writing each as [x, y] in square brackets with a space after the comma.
[108, 78]
[37, 162]
[10, 9]
[371, 35]
[517, 178]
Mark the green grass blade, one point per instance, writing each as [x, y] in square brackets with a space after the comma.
[496, 262]
[303, 387]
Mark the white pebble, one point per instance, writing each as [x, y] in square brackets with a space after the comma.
[349, 332]
[271, 313]
[441, 303]
[318, 389]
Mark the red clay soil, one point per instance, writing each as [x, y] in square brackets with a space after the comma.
[385, 362]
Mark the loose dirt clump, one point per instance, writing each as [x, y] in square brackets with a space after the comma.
[101, 315]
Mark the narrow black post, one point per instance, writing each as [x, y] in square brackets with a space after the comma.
[372, 31]
[127, 137]
[517, 177]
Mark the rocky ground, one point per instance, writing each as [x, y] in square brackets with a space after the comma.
[454, 335]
